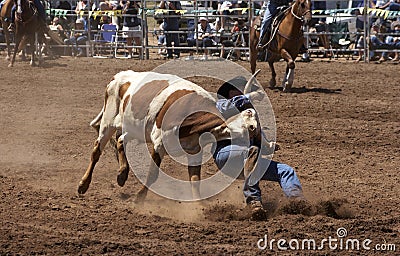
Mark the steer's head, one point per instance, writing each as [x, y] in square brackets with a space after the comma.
[244, 125]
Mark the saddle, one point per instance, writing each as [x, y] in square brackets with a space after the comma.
[276, 20]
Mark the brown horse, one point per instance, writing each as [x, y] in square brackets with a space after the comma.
[5, 17]
[286, 41]
[28, 29]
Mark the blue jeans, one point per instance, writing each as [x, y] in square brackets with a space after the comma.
[75, 42]
[394, 6]
[275, 171]
[270, 12]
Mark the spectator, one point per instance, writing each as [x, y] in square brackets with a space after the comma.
[171, 26]
[56, 31]
[390, 5]
[379, 4]
[105, 19]
[81, 6]
[161, 38]
[236, 40]
[191, 41]
[391, 42]
[77, 38]
[378, 41]
[223, 10]
[132, 26]
[65, 5]
[205, 36]
[117, 19]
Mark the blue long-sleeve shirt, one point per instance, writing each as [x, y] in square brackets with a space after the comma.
[229, 108]
[233, 106]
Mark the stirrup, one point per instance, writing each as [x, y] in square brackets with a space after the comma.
[261, 47]
[11, 27]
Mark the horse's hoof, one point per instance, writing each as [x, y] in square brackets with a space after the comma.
[287, 88]
[10, 65]
[122, 177]
[83, 187]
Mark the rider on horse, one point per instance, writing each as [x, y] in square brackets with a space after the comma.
[271, 9]
[40, 8]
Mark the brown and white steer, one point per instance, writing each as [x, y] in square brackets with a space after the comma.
[163, 105]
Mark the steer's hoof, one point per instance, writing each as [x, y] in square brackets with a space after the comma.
[122, 177]
[139, 198]
[83, 187]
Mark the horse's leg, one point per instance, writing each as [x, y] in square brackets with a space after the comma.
[285, 78]
[290, 70]
[7, 38]
[38, 48]
[100, 143]
[32, 42]
[272, 82]
[152, 175]
[253, 50]
[16, 48]
[253, 59]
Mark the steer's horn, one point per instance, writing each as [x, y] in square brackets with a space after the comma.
[247, 88]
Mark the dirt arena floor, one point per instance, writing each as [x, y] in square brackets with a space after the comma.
[340, 129]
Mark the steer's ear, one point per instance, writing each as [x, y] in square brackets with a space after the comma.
[249, 85]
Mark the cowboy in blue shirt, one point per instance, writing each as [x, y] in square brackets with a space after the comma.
[231, 101]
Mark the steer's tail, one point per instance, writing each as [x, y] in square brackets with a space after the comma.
[96, 121]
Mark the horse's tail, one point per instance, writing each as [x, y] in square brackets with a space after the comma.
[96, 121]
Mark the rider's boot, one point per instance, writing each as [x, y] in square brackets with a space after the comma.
[262, 42]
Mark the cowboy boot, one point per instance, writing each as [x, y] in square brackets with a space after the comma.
[262, 42]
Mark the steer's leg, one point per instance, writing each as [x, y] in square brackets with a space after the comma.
[123, 163]
[194, 169]
[194, 176]
[151, 176]
[104, 137]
